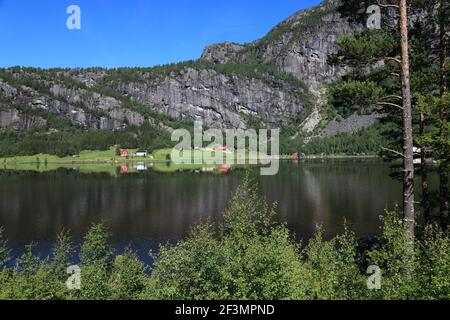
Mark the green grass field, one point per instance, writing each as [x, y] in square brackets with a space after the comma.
[107, 161]
[210, 156]
[84, 156]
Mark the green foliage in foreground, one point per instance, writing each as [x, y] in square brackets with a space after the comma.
[247, 257]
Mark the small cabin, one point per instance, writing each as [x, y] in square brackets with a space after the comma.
[141, 153]
[124, 153]
[223, 149]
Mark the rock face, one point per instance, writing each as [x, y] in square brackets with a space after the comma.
[12, 118]
[75, 105]
[300, 45]
[110, 112]
[190, 94]
[222, 52]
[219, 101]
[8, 117]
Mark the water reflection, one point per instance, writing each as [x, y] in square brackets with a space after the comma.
[161, 207]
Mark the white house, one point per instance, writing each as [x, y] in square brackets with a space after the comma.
[141, 153]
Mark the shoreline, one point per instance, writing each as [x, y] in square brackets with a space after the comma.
[147, 160]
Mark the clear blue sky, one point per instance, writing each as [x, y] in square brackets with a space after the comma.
[118, 33]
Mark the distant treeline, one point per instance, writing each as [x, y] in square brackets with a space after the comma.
[73, 141]
[368, 141]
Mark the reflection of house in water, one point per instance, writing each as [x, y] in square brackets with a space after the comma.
[429, 152]
[221, 169]
[140, 167]
[224, 169]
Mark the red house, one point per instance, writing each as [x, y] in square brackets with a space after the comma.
[224, 169]
[223, 149]
[124, 153]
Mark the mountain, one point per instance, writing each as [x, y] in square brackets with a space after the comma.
[300, 45]
[276, 81]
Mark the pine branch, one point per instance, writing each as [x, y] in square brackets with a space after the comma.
[384, 5]
[393, 59]
[392, 151]
[392, 97]
[389, 104]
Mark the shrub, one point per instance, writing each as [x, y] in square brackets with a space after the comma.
[4, 251]
[249, 258]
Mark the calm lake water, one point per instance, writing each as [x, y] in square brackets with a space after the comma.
[148, 208]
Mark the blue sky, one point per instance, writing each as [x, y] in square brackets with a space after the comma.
[117, 33]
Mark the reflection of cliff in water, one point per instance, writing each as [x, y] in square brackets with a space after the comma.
[326, 193]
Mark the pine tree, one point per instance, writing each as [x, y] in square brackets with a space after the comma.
[364, 53]
[444, 12]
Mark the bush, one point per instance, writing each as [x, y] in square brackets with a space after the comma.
[128, 279]
[96, 258]
[433, 265]
[250, 257]
[4, 251]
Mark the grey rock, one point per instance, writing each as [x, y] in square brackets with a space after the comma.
[217, 100]
[300, 45]
[222, 52]
[6, 90]
[8, 117]
[352, 124]
[14, 119]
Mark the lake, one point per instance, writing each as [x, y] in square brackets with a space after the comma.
[147, 208]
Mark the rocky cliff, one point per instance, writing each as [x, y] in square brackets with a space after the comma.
[300, 45]
[110, 101]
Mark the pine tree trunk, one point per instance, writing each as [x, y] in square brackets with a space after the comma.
[444, 166]
[424, 175]
[408, 145]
